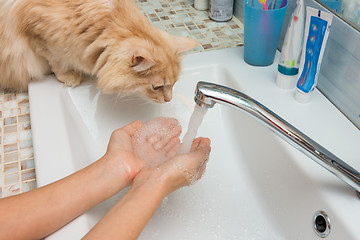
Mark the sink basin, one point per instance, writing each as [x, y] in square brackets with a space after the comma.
[256, 186]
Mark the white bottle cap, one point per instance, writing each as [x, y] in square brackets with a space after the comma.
[285, 81]
[301, 96]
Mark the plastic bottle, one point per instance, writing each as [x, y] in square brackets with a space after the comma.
[289, 62]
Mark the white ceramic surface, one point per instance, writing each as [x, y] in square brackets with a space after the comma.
[256, 186]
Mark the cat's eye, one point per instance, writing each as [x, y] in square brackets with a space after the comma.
[155, 88]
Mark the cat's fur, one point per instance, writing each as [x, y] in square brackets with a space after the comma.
[111, 40]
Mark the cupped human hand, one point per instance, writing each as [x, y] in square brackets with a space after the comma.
[179, 171]
[157, 140]
[141, 144]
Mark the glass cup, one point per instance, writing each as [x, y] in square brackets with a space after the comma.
[262, 28]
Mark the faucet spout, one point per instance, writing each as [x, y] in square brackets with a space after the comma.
[207, 94]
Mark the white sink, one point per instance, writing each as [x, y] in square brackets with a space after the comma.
[256, 186]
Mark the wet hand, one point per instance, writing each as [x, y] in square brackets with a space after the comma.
[179, 171]
[143, 144]
[157, 140]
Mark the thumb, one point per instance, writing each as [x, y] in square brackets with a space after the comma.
[201, 146]
[200, 151]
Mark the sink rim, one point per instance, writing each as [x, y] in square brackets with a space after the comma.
[233, 56]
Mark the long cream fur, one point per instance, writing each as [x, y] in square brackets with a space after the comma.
[111, 40]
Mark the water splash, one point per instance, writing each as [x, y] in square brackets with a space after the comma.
[194, 123]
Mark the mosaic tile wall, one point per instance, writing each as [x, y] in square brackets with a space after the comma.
[175, 16]
[17, 159]
[180, 18]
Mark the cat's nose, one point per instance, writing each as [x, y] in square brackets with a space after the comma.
[167, 99]
[167, 93]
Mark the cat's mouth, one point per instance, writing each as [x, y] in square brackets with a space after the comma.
[159, 101]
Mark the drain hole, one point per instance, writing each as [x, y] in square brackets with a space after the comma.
[321, 224]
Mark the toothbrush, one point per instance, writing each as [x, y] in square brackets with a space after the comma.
[264, 3]
[271, 5]
[283, 3]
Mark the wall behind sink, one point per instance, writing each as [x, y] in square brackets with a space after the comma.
[339, 78]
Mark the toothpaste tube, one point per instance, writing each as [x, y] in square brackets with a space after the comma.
[317, 30]
[289, 62]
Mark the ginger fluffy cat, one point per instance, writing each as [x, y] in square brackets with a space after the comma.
[111, 40]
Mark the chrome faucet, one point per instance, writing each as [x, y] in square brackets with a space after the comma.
[207, 94]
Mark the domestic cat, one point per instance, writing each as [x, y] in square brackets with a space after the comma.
[111, 40]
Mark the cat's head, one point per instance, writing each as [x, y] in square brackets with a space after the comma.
[148, 68]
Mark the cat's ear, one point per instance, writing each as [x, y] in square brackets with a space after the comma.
[141, 60]
[184, 44]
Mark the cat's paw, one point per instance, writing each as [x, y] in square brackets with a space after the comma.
[70, 79]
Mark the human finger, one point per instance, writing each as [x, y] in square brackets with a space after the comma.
[162, 130]
[202, 169]
[172, 147]
[170, 127]
[166, 137]
[168, 122]
[131, 128]
[201, 143]
[200, 151]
